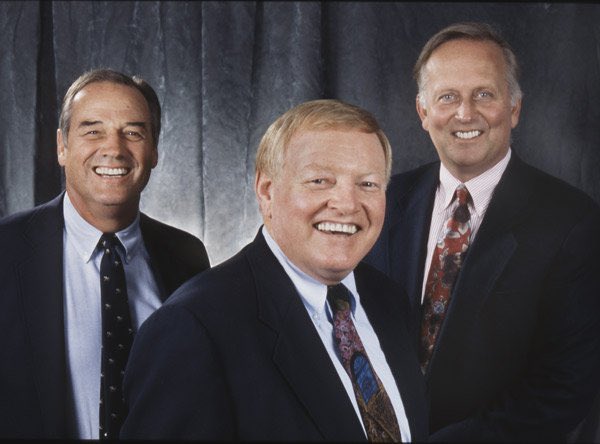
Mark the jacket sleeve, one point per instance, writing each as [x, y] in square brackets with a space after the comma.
[174, 387]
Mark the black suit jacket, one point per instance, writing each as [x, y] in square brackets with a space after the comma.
[518, 356]
[33, 380]
[233, 354]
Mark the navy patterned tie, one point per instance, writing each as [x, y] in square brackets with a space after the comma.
[373, 401]
[117, 337]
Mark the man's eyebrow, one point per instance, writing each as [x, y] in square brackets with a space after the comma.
[141, 124]
[89, 123]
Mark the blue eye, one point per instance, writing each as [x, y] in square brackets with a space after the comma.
[447, 98]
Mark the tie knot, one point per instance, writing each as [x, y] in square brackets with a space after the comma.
[462, 194]
[108, 241]
[338, 297]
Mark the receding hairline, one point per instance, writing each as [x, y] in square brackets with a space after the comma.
[475, 32]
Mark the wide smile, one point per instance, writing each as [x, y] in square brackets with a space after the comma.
[335, 228]
[111, 172]
[467, 135]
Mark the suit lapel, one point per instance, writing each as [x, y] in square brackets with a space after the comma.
[394, 340]
[491, 250]
[41, 291]
[408, 236]
[163, 268]
[298, 351]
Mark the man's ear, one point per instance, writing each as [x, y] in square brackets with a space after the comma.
[61, 148]
[515, 112]
[422, 112]
[154, 156]
[263, 187]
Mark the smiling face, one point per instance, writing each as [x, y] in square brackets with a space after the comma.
[109, 154]
[325, 208]
[466, 106]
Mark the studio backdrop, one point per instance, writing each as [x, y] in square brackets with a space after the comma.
[224, 71]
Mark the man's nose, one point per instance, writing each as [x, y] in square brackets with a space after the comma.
[344, 197]
[465, 111]
[113, 144]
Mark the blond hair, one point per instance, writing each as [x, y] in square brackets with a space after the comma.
[321, 114]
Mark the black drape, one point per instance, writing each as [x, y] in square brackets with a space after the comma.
[224, 70]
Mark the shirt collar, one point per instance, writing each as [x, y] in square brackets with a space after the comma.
[85, 237]
[480, 187]
[312, 292]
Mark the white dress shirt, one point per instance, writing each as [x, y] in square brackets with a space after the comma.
[480, 189]
[314, 297]
[83, 318]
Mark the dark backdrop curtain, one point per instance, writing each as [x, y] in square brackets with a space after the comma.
[224, 70]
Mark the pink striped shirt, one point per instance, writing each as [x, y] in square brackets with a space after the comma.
[480, 188]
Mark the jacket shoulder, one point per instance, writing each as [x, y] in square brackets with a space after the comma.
[19, 228]
[223, 288]
[407, 179]
[164, 240]
[551, 188]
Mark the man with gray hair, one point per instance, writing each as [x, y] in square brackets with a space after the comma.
[79, 274]
[500, 261]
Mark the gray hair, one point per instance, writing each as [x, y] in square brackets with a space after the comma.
[470, 31]
[108, 75]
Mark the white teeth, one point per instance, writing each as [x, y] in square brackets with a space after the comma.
[467, 134]
[104, 171]
[337, 228]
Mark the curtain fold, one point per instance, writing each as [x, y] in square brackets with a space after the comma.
[224, 71]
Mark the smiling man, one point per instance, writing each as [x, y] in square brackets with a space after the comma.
[83, 271]
[499, 260]
[292, 338]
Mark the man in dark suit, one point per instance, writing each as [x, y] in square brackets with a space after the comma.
[252, 349]
[50, 280]
[503, 273]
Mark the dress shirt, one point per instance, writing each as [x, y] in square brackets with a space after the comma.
[480, 189]
[83, 318]
[314, 297]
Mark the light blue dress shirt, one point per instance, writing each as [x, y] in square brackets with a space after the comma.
[314, 297]
[83, 318]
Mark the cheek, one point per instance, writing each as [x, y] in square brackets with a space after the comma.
[376, 212]
[437, 120]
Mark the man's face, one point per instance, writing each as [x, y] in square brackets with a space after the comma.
[325, 209]
[109, 152]
[468, 111]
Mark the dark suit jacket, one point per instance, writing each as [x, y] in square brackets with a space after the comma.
[518, 356]
[233, 354]
[33, 380]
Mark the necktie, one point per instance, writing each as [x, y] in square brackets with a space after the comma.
[117, 337]
[374, 404]
[447, 259]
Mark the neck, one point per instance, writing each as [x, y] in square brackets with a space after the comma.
[106, 218]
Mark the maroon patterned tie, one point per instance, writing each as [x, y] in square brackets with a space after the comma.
[445, 264]
[374, 404]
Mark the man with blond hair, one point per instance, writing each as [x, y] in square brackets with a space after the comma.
[292, 338]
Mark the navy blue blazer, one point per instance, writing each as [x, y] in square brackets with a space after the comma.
[33, 379]
[233, 355]
[518, 356]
